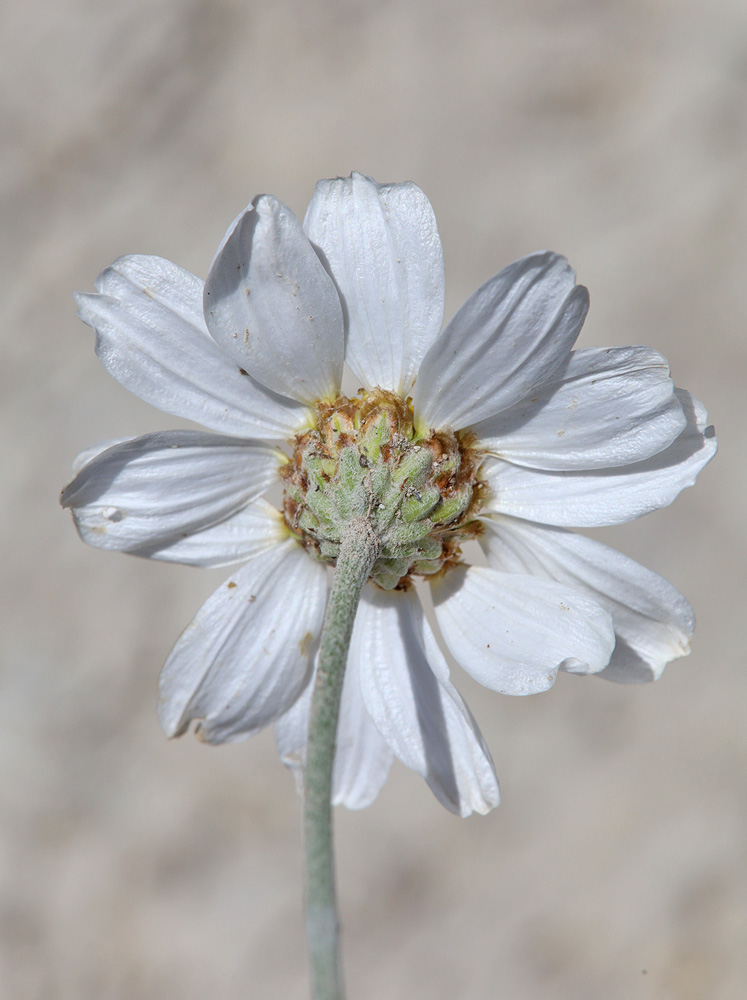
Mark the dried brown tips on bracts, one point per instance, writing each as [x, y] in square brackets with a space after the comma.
[365, 457]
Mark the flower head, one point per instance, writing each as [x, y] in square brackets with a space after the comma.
[493, 429]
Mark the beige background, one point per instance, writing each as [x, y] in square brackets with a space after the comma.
[136, 868]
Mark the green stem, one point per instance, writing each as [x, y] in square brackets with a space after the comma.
[359, 548]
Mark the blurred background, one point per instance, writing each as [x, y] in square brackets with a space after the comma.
[133, 868]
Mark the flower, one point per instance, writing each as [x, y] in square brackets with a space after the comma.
[493, 428]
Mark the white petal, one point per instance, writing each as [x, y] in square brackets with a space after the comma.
[605, 408]
[151, 492]
[383, 250]
[597, 498]
[513, 632]
[151, 336]
[291, 735]
[243, 535]
[247, 655]
[362, 758]
[273, 308]
[406, 688]
[653, 621]
[508, 338]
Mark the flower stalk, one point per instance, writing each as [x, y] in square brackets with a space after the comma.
[359, 549]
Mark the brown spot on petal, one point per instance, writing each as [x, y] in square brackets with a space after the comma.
[305, 643]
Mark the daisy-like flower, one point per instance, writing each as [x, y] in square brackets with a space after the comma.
[493, 429]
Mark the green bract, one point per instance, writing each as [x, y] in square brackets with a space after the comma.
[364, 457]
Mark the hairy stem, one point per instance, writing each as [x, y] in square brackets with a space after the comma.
[358, 551]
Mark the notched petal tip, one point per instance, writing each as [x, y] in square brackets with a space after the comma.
[89, 304]
[380, 244]
[173, 730]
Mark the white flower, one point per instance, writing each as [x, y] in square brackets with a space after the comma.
[510, 437]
